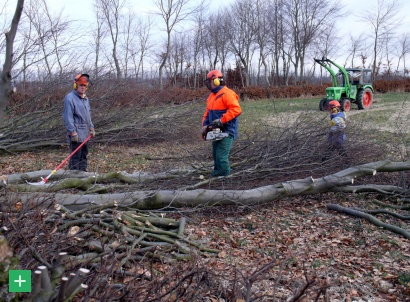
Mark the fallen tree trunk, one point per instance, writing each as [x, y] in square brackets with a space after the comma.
[167, 199]
[369, 218]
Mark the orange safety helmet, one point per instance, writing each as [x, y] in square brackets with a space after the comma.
[81, 79]
[333, 104]
[215, 76]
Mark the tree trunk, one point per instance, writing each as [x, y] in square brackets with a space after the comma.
[5, 81]
[157, 199]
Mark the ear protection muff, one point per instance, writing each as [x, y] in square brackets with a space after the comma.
[217, 82]
[77, 78]
[75, 86]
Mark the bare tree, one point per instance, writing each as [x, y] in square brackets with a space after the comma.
[43, 34]
[355, 47]
[402, 50]
[306, 19]
[387, 43]
[178, 55]
[278, 32]
[111, 10]
[262, 36]
[98, 35]
[216, 40]
[173, 12]
[128, 40]
[52, 35]
[143, 46]
[325, 48]
[197, 47]
[5, 79]
[242, 34]
[3, 25]
[383, 20]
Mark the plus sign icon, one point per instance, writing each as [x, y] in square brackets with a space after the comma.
[19, 281]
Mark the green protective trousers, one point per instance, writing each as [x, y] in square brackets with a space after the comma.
[220, 153]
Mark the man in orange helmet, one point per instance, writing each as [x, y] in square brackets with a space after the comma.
[336, 136]
[77, 119]
[222, 111]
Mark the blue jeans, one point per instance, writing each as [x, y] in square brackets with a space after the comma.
[79, 160]
[220, 153]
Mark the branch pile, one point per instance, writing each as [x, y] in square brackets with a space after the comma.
[54, 287]
[34, 123]
[128, 235]
[93, 235]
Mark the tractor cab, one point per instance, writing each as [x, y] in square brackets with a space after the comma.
[359, 76]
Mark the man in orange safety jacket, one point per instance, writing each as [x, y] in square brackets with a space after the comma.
[222, 111]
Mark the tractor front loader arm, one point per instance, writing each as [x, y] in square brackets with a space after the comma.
[325, 64]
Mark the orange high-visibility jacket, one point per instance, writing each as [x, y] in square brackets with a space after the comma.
[223, 105]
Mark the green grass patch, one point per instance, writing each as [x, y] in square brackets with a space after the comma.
[316, 264]
[266, 107]
[404, 278]
[391, 97]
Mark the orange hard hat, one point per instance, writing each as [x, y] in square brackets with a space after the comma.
[82, 79]
[333, 104]
[213, 74]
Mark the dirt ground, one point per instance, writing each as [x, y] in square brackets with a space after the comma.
[348, 258]
[351, 259]
[301, 241]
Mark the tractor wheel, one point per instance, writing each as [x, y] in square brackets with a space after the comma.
[364, 99]
[345, 104]
[322, 104]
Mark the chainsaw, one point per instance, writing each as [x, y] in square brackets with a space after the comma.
[213, 134]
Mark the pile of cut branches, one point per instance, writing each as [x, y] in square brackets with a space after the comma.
[102, 248]
[90, 235]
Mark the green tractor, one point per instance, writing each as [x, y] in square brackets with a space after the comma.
[350, 85]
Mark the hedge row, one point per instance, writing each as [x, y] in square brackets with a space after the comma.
[120, 94]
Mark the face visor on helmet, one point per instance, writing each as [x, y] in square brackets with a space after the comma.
[207, 83]
[211, 76]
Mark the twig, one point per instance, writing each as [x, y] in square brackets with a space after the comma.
[134, 244]
[301, 290]
[387, 205]
[369, 218]
[382, 211]
[252, 278]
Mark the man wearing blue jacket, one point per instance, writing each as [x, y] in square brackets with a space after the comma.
[77, 119]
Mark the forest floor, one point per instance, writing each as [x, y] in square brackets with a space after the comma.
[269, 252]
[298, 239]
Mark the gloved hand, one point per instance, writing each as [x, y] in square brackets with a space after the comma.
[217, 123]
[92, 132]
[74, 137]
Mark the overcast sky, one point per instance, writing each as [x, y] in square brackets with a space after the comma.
[82, 10]
[358, 7]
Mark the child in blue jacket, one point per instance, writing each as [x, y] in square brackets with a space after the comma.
[336, 135]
